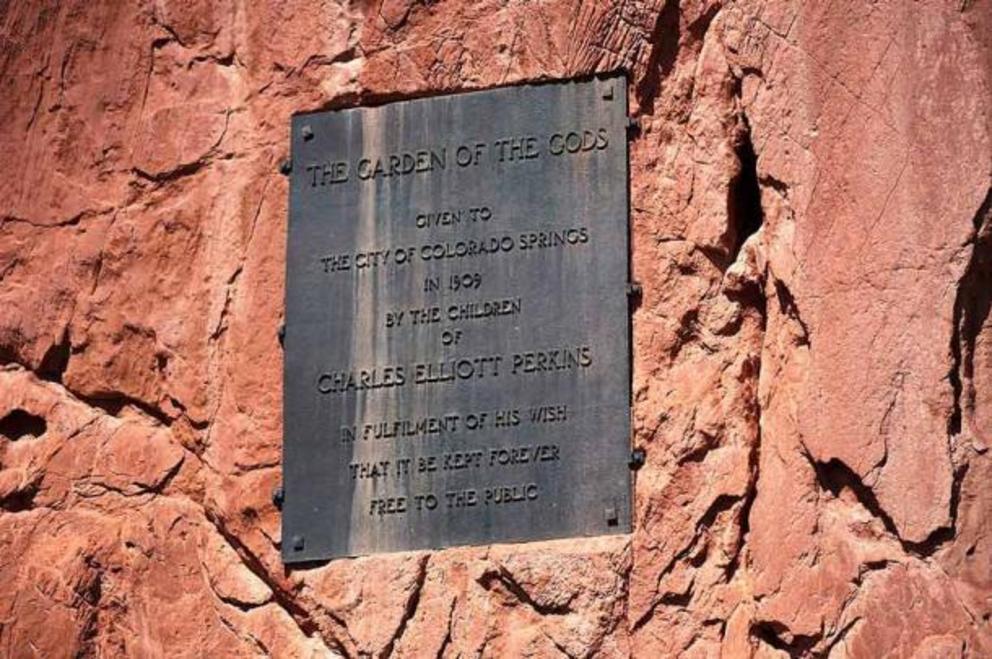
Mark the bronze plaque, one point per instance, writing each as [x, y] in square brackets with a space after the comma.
[457, 328]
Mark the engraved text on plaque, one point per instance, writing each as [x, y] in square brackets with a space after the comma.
[457, 330]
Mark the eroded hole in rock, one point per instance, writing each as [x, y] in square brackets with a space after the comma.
[20, 424]
[18, 501]
[744, 201]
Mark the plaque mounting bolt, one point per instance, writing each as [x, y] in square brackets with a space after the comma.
[633, 126]
[307, 132]
[635, 294]
[612, 519]
[608, 93]
[637, 458]
[278, 496]
[297, 543]
[286, 167]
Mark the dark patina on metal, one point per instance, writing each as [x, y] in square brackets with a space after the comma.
[457, 328]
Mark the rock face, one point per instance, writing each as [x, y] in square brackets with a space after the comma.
[812, 227]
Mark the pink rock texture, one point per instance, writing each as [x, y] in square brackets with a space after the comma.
[812, 227]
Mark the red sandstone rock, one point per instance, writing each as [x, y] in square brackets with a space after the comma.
[813, 397]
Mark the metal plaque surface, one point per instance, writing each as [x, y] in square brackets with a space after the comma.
[457, 328]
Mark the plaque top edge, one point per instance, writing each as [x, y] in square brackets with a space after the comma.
[617, 74]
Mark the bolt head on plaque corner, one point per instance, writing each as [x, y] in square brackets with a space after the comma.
[637, 459]
[306, 132]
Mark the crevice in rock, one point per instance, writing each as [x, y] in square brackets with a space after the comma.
[245, 636]
[944, 534]
[114, 402]
[90, 592]
[254, 564]
[699, 27]
[173, 36]
[141, 489]
[174, 174]
[779, 637]
[744, 210]
[678, 600]
[19, 424]
[71, 221]
[280, 596]
[137, 489]
[954, 420]
[56, 360]
[561, 648]
[227, 59]
[787, 305]
[872, 566]
[661, 59]
[318, 60]
[752, 368]
[745, 513]
[447, 637]
[778, 186]
[159, 487]
[222, 324]
[648, 615]
[412, 603]
[971, 310]
[698, 454]
[834, 476]
[687, 332]
[721, 504]
[20, 501]
[111, 403]
[235, 603]
[503, 577]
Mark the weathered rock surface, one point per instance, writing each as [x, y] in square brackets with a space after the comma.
[813, 352]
